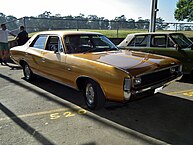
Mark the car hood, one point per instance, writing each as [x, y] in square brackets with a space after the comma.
[133, 62]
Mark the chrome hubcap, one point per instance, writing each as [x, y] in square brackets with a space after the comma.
[27, 72]
[90, 93]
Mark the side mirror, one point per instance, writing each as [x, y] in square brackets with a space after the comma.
[56, 51]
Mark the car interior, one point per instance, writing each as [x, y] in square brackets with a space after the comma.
[52, 43]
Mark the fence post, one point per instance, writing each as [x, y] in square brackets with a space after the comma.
[24, 23]
[176, 27]
[117, 32]
[77, 25]
[117, 23]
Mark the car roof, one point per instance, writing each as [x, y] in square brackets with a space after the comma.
[157, 33]
[67, 32]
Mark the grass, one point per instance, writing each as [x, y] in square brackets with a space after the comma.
[123, 33]
[119, 33]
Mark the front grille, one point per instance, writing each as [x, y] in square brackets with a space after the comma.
[157, 77]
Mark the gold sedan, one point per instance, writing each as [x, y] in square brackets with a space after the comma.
[90, 62]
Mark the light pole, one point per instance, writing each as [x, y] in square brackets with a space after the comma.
[153, 16]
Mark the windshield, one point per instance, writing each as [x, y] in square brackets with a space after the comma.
[88, 43]
[182, 40]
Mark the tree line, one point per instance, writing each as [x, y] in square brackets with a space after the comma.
[48, 21]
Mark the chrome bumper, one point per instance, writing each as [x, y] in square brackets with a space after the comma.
[159, 87]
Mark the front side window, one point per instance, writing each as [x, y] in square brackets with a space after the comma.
[181, 40]
[139, 41]
[54, 44]
[39, 42]
[88, 43]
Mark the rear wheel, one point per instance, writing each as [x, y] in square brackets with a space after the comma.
[94, 96]
[28, 74]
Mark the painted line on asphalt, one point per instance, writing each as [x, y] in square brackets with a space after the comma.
[35, 114]
[188, 93]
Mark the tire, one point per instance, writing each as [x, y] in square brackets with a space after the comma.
[94, 96]
[28, 74]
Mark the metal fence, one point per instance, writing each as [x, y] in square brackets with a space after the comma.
[33, 24]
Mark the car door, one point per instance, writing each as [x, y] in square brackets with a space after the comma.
[186, 58]
[53, 59]
[33, 54]
[185, 48]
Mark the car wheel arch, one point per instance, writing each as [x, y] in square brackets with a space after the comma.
[29, 75]
[80, 82]
[22, 62]
[93, 94]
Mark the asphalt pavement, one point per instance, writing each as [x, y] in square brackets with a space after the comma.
[45, 112]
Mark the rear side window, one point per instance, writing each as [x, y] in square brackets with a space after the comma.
[39, 42]
[139, 41]
[159, 41]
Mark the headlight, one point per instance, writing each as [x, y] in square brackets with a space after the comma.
[127, 88]
[127, 84]
[172, 70]
[137, 81]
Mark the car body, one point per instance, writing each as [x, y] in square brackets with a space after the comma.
[171, 44]
[90, 62]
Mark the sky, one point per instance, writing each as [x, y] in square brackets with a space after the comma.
[102, 8]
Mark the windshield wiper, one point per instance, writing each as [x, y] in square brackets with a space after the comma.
[111, 49]
[90, 50]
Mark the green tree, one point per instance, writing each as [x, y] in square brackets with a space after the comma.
[142, 24]
[122, 22]
[13, 23]
[131, 24]
[104, 23]
[93, 22]
[80, 22]
[184, 10]
[160, 25]
[2, 18]
[119, 22]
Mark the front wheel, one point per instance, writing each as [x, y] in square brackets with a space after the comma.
[28, 74]
[94, 96]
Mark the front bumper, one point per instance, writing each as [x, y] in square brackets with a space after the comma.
[156, 88]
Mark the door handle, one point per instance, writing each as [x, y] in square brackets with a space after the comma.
[43, 59]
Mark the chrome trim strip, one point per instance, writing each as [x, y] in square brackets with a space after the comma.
[157, 70]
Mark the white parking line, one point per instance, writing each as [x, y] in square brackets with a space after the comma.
[34, 114]
[188, 93]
